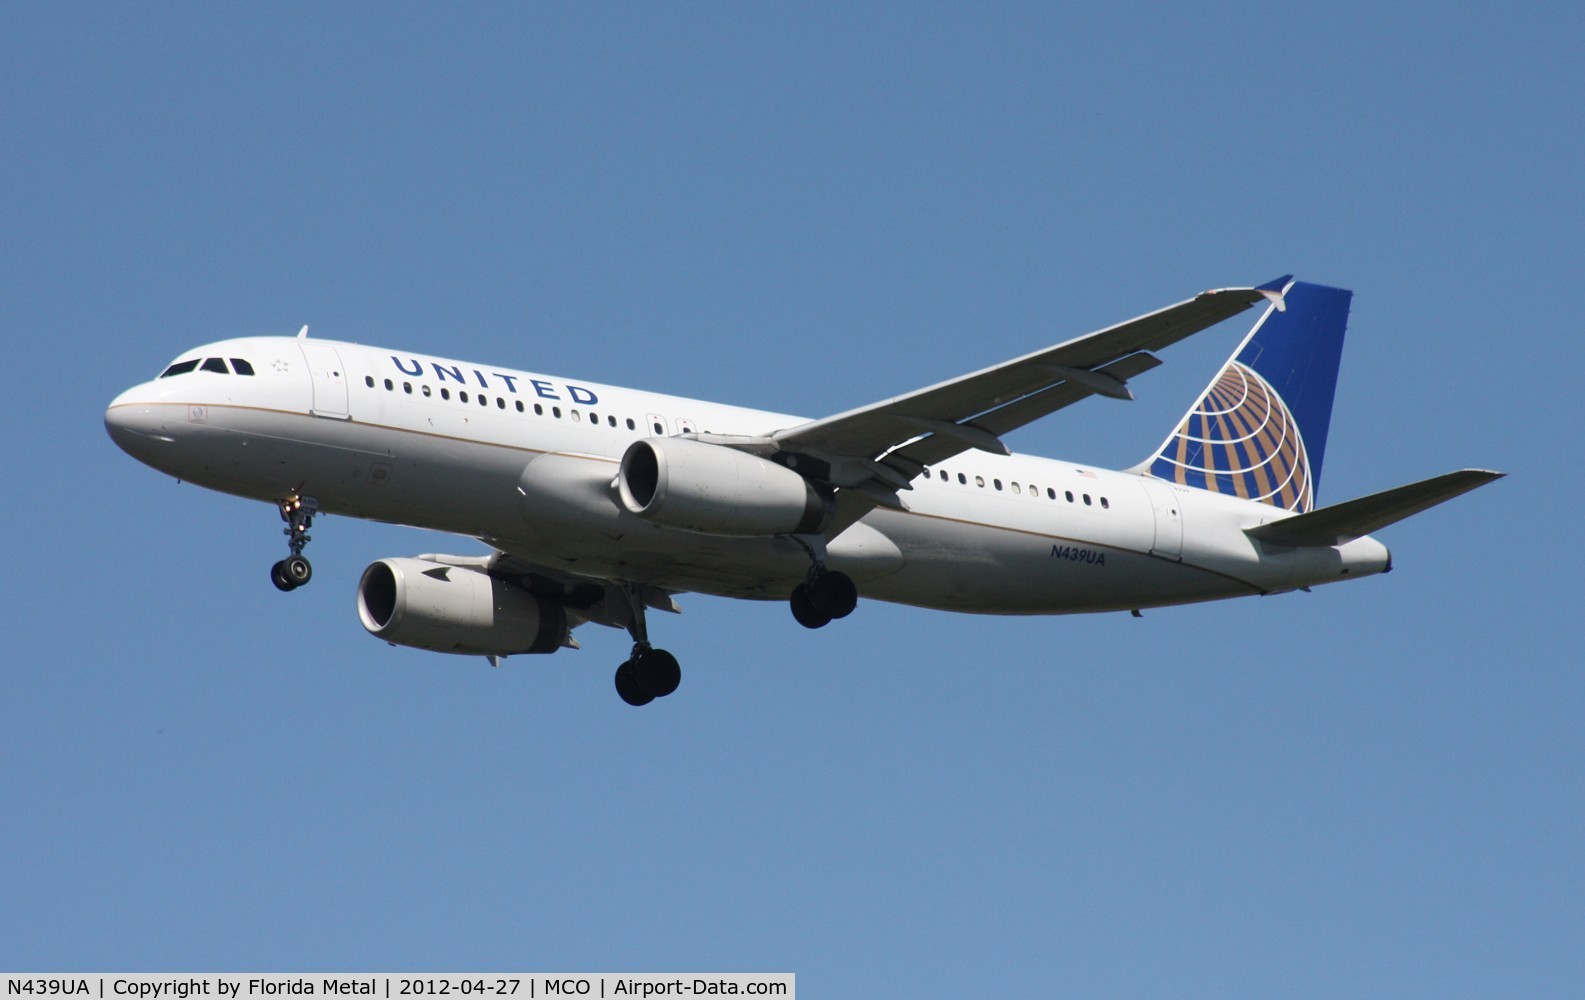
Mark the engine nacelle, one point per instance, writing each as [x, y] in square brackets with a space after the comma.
[708, 488]
[456, 609]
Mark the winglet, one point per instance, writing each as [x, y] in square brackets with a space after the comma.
[1274, 290]
[303, 333]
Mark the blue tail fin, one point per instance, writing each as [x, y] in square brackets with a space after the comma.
[1259, 431]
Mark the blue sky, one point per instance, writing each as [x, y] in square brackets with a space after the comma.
[1374, 789]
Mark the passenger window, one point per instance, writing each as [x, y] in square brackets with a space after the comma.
[997, 483]
[962, 479]
[630, 425]
[575, 417]
[241, 367]
[943, 475]
[389, 385]
[445, 393]
[1051, 494]
[539, 411]
[555, 411]
[215, 365]
[368, 380]
[1069, 495]
[1106, 504]
[425, 390]
[611, 419]
[1016, 490]
[484, 400]
[520, 406]
[462, 395]
[979, 481]
[407, 387]
[500, 402]
[1087, 500]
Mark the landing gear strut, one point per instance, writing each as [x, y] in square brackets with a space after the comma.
[294, 571]
[649, 673]
[825, 595]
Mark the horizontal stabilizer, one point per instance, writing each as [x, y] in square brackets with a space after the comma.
[1341, 522]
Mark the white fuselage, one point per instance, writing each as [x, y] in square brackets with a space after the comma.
[526, 462]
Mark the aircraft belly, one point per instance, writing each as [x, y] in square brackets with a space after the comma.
[957, 565]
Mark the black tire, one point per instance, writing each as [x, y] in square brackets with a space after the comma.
[805, 610]
[297, 570]
[658, 672]
[627, 686]
[835, 594]
[278, 577]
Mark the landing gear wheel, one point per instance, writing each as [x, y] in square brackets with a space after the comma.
[657, 671]
[278, 577]
[628, 687]
[805, 610]
[297, 570]
[649, 673]
[834, 594]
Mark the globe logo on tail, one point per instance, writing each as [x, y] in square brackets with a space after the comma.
[1240, 439]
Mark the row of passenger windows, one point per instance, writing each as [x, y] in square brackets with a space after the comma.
[464, 396]
[1019, 489]
[216, 365]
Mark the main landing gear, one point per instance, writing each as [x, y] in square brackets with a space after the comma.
[294, 571]
[649, 673]
[825, 595]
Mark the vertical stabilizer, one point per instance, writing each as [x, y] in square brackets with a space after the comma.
[1259, 430]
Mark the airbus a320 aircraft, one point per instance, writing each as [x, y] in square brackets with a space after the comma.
[600, 503]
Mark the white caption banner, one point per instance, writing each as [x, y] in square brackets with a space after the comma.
[395, 986]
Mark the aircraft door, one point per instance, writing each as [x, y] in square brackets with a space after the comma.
[329, 378]
[1169, 519]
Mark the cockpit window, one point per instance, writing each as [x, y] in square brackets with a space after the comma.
[180, 368]
[215, 365]
[241, 367]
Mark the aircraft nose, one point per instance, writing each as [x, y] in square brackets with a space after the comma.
[133, 424]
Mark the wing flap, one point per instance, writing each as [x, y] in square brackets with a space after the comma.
[1355, 518]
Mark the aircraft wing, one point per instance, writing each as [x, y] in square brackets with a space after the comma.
[878, 449]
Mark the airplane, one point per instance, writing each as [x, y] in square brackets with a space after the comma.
[601, 503]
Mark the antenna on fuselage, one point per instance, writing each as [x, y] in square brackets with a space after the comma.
[303, 333]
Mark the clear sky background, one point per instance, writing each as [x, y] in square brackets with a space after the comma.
[1377, 789]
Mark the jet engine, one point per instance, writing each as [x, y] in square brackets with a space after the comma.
[456, 609]
[681, 483]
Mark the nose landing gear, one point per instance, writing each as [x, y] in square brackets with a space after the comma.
[294, 571]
